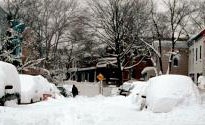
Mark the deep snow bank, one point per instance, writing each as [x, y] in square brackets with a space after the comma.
[167, 91]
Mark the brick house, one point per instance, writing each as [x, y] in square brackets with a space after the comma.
[179, 62]
[107, 67]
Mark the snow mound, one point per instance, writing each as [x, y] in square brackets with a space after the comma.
[201, 82]
[168, 91]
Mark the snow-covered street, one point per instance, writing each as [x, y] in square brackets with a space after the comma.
[97, 110]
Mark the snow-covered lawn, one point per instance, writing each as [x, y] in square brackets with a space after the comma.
[97, 110]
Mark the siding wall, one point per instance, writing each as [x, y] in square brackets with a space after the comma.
[182, 68]
[196, 64]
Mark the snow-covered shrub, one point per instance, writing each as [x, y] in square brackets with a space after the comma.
[167, 91]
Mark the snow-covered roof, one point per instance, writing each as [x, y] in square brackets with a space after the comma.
[149, 69]
[104, 61]
[81, 69]
[196, 37]
[168, 43]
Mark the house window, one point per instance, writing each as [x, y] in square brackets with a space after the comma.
[196, 54]
[176, 62]
[192, 55]
[200, 53]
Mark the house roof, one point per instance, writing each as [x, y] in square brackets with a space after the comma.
[196, 37]
[168, 43]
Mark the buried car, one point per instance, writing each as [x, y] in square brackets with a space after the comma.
[30, 89]
[36, 88]
[66, 90]
[168, 91]
[9, 84]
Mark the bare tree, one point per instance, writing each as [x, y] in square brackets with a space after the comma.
[49, 19]
[120, 23]
[198, 17]
[177, 16]
[159, 25]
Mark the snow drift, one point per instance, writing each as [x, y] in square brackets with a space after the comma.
[167, 91]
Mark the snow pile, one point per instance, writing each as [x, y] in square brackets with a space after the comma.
[167, 91]
[201, 82]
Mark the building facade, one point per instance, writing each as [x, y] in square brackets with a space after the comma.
[108, 68]
[180, 59]
[197, 55]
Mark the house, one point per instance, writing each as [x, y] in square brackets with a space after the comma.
[180, 60]
[196, 61]
[107, 66]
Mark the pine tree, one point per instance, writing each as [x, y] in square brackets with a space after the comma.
[11, 49]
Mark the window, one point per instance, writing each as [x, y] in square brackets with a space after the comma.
[196, 54]
[176, 62]
[192, 55]
[200, 53]
[9, 87]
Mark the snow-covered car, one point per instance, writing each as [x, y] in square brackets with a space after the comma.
[47, 89]
[136, 91]
[9, 84]
[30, 89]
[36, 88]
[62, 91]
[66, 90]
[125, 88]
[168, 91]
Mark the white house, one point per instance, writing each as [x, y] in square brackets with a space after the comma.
[197, 55]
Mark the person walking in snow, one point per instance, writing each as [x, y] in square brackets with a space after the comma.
[74, 90]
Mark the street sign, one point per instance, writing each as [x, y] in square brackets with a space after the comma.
[100, 77]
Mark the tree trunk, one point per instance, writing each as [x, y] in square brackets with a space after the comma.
[119, 71]
[160, 58]
[171, 58]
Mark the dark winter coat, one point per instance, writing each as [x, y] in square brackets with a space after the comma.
[74, 91]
